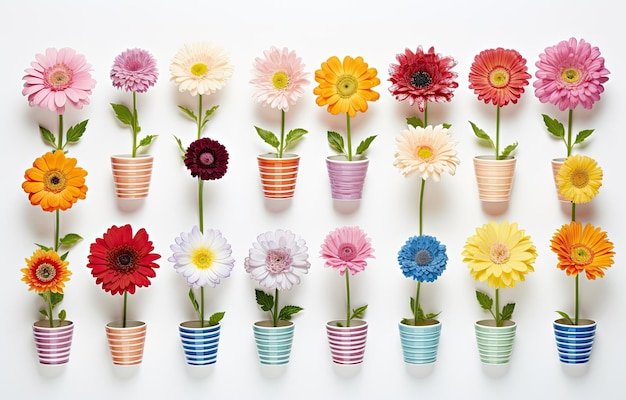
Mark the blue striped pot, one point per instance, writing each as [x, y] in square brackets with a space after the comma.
[273, 343]
[199, 343]
[574, 342]
[420, 342]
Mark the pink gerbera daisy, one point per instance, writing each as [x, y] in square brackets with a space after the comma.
[279, 78]
[134, 70]
[421, 77]
[347, 248]
[570, 73]
[57, 78]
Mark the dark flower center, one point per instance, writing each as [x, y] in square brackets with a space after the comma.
[347, 251]
[421, 79]
[422, 257]
[207, 158]
[54, 181]
[45, 272]
[278, 260]
[123, 259]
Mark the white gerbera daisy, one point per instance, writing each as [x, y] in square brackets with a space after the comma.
[200, 68]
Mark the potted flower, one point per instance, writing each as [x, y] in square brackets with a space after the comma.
[203, 259]
[277, 261]
[501, 255]
[346, 249]
[133, 70]
[497, 76]
[121, 262]
[569, 74]
[280, 79]
[54, 182]
[346, 87]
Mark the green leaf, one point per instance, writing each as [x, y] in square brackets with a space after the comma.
[70, 239]
[55, 298]
[364, 145]
[194, 302]
[42, 247]
[335, 141]
[582, 135]
[432, 315]
[146, 141]
[412, 305]
[293, 136]
[484, 300]
[123, 114]
[446, 125]
[406, 321]
[76, 132]
[180, 146]
[269, 137]
[287, 311]
[508, 150]
[266, 301]
[415, 122]
[62, 315]
[216, 318]
[555, 127]
[64, 255]
[566, 316]
[44, 313]
[482, 134]
[358, 312]
[207, 115]
[189, 113]
[48, 136]
[507, 312]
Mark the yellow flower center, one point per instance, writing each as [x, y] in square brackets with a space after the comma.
[280, 80]
[58, 77]
[581, 254]
[570, 75]
[45, 272]
[424, 152]
[54, 181]
[499, 253]
[579, 178]
[203, 258]
[199, 69]
[347, 85]
[499, 77]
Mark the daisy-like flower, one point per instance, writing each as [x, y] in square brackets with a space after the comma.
[421, 77]
[58, 78]
[278, 259]
[499, 76]
[46, 271]
[579, 179]
[422, 258]
[134, 70]
[279, 77]
[500, 254]
[582, 249]
[347, 249]
[121, 262]
[430, 151]
[200, 68]
[346, 87]
[569, 74]
[55, 182]
[203, 258]
[206, 159]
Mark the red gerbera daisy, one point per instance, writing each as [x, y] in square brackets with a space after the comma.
[499, 76]
[207, 159]
[121, 262]
[421, 77]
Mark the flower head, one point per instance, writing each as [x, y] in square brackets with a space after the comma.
[582, 249]
[347, 249]
[279, 77]
[569, 74]
[579, 179]
[122, 262]
[499, 76]
[134, 70]
[203, 258]
[200, 68]
[207, 159]
[423, 258]
[430, 151]
[57, 78]
[46, 271]
[421, 77]
[345, 87]
[500, 254]
[278, 259]
[55, 182]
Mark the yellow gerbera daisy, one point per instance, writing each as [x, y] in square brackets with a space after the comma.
[46, 271]
[500, 254]
[579, 179]
[345, 87]
[200, 68]
[582, 249]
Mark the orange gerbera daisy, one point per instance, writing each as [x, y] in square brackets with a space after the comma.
[54, 182]
[346, 87]
[46, 271]
[582, 250]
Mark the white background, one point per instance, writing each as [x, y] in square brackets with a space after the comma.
[235, 205]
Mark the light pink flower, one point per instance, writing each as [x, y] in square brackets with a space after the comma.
[134, 70]
[570, 73]
[347, 248]
[280, 78]
[57, 78]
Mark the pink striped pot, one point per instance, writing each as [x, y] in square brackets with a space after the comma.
[556, 165]
[278, 175]
[126, 343]
[347, 178]
[131, 175]
[347, 344]
[53, 344]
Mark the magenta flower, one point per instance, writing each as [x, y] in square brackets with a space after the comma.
[570, 73]
[57, 78]
[134, 70]
[207, 159]
[347, 248]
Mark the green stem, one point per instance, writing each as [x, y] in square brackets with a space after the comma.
[421, 206]
[417, 303]
[349, 137]
[199, 120]
[497, 132]
[202, 306]
[425, 113]
[576, 311]
[200, 204]
[124, 314]
[498, 321]
[49, 301]
[275, 313]
[569, 144]
[348, 318]
[134, 124]
[281, 149]
[60, 145]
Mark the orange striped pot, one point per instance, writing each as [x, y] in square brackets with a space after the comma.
[278, 175]
[131, 175]
[126, 343]
[494, 178]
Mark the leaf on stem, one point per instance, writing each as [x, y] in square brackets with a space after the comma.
[415, 122]
[507, 312]
[146, 141]
[566, 316]
[216, 318]
[358, 312]
[555, 127]
[287, 311]
[207, 115]
[482, 134]
[48, 136]
[293, 136]
[123, 113]
[268, 137]
[484, 300]
[364, 145]
[194, 302]
[582, 135]
[189, 113]
[180, 146]
[335, 141]
[266, 301]
[508, 150]
[70, 239]
[76, 132]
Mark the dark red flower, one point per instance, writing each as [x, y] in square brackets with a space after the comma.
[207, 159]
[121, 262]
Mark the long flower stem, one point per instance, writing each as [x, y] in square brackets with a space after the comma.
[281, 149]
[57, 222]
[202, 306]
[349, 137]
[425, 113]
[569, 144]
[275, 313]
[199, 116]
[576, 311]
[49, 298]
[417, 303]
[60, 145]
[124, 315]
[421, 215]
[348, 299]
[498, 321]
[200, 204]
[134, 125]
[497, 132]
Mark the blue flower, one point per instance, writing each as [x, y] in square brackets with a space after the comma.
[422, 258]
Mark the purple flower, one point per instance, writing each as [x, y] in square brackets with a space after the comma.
[134, 70]
[207, 159]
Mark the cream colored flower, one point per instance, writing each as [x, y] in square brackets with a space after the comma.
[200, 68]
